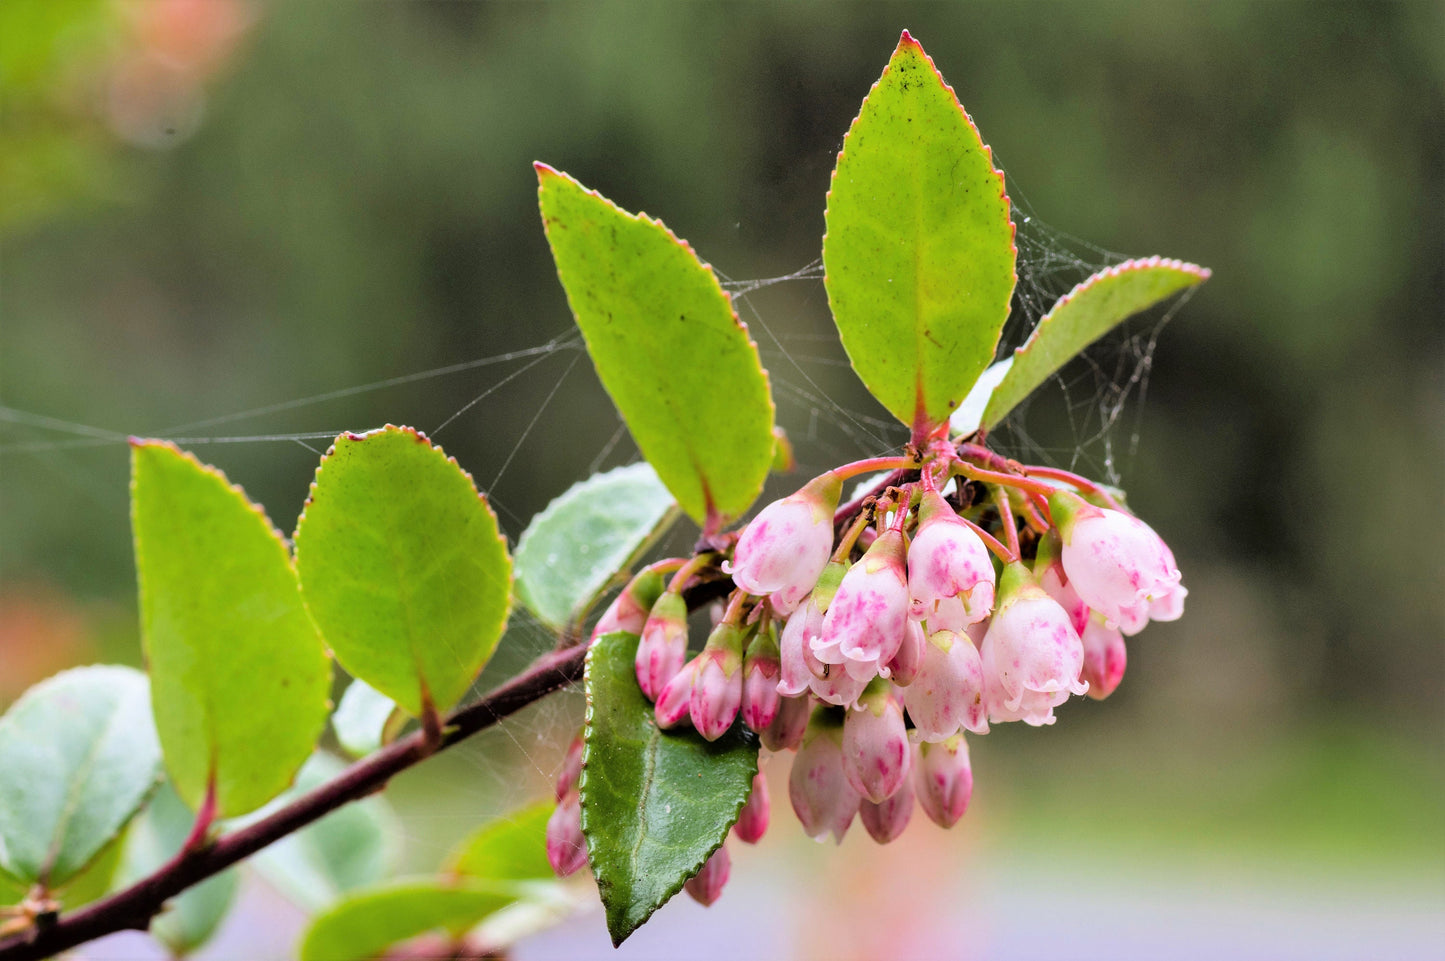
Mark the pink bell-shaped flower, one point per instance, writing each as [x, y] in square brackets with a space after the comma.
[706, 885]
[787, 730]
[1114, 561]
[760, 679]
[875, 744]
[566, 847]
[630, 609]
[717, 686]
[944, 779]
[837, 686]
[906, 663]
[571, 768]
[1104, 658]
[948, 562]
[822, 798]
[1032, 655]
[1170, 607]
[795, 675]
[784, 549]
[1049, 570]
[948, 692]
[663, 646]
[869, 614]
[886, 820]
[752, 821]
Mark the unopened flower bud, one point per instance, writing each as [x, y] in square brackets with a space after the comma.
[760, 679]
[717, 687]
[784, 549]
[822, 797]
[869, 613]
[630, 609]
[905, 664]
[944, 780]
[1114, 561]
[886, 820]
[752, 821]
[674, 703]
[786, 731]
[948, 692]
[571, 768]
[663, 646]
[875, 744]
[1104, 658]
[566, 848]
[706, 885]
[947, 562]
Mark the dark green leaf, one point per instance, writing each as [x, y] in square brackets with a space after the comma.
[360, 718]
[511, 848]
[239, 678]
[571, 551]
[78, 756]
[655, 804]
[919, 253]
[403, 567]
[1082, 316]
[667, 346]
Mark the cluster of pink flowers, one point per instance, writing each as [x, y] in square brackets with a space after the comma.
[873, 650]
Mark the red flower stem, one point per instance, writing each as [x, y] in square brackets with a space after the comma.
[1074, 480]
[850, 537]
[1006, 518]
[874, 464]
[1032, 515]
[1001, 480]
[694, 564]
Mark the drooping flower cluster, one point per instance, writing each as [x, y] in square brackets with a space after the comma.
[872, 640]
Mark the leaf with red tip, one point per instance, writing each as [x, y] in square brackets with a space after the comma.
[1082, 316]
[919, 255]
[239, 676]
[403, 567]
[667, 346]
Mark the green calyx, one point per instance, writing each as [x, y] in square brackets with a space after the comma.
[1064, 508]
[669, 607]
[1050, 547]
[646, 588]
[822, 494]
[827, 585]
[764, 644]
[875, 697]
[726, 643]
[1015, 583]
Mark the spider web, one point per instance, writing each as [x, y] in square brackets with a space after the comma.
[828, 417]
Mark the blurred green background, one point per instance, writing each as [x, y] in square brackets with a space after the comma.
[210, 207]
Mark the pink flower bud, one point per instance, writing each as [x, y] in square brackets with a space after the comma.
[566, 848]
[1104, 658]
[905, 664]
[875, 746]
[663, 646]
[948, 692]
[674, 703]
[1056, 584]
[706, 885]
[944, 780]
[717, 686]
[1032, 655]
[784, 549]
[1114, 561]
[571, 768]
[752, 821]
[948, 562]
[822, 797]
[760, 680]
[795, 650]
[629, 610]
[886, 820]
[869, 614]
[786, 731]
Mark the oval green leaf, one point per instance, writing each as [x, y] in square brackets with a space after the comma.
[655, 804]
[191, 917]
[1082, 316]
[511, 848]
[573, 549]
[239, 677]
[78, 756]
[367, 922]
[655, 318]
[403, 566]
[360, 718]
[919, 256]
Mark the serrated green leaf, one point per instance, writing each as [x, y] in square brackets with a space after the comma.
[510, 848]
[191, 917]
[78, 756]
[360, 719]
[655, 804]
[350, 848]
[919, 257]
[668, 347]
[1082, 316]
[239, 677]
[575, 547]
[368, 922]
[403, 567]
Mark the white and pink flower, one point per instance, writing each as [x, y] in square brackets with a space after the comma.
[950, 574]
[783, 550]
[875, 745]
[948, 692]
[822, 798]
[944, 779]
